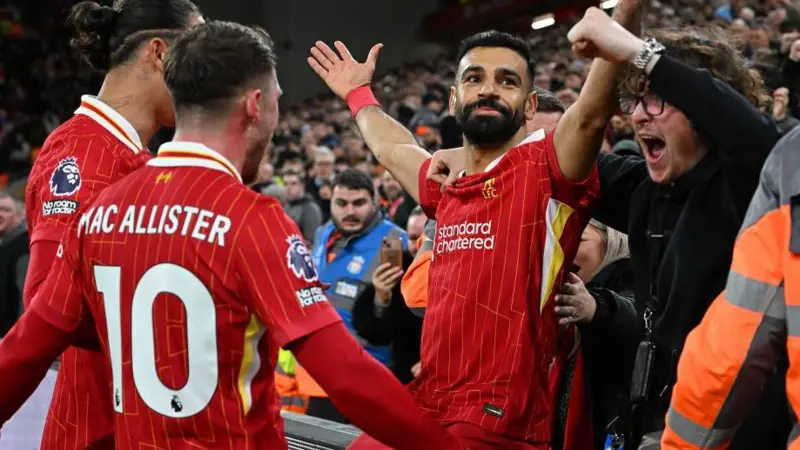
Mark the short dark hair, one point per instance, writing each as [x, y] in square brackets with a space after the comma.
[548, 102]
[107, 36]
[356, 180]
[494, 38]
[213, 62]
[288, 156]
[292, 173]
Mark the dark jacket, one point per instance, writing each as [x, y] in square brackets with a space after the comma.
[681, 234]
[608, 360]
[306, 214]
[14, 255]
[395, 325]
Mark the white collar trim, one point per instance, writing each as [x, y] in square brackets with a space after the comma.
[537, 135]
[111, 120]
[193, 154]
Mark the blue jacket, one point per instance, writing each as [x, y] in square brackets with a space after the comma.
[350, 272]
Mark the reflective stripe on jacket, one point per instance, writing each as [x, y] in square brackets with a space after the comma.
[728, 358]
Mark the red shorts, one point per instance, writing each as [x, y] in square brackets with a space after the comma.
[470, 436]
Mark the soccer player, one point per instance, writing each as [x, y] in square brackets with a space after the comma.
[504, 229]
[101, 143]
[193, 281]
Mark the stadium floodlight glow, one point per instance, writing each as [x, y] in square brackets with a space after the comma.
[543, 21]
[608, 4]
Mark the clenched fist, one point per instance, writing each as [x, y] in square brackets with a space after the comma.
[598, 35]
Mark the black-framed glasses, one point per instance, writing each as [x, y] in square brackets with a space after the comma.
[652, 103]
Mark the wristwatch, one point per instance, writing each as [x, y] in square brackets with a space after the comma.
[650, 48]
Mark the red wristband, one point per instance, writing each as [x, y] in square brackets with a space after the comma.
[360, 97]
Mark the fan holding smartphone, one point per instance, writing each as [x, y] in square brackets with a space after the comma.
[389, 272]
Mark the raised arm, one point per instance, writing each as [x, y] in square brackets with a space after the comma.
[391, 143]
[579, 134]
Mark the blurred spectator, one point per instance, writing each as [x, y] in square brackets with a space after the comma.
[627, 147]
[347, 251]
[415, 229]
[300, 206]
[290, 161]
[549, 110]
[13, 260]
[428, 114]
[322, 171]
[391, 194]
[780, 105]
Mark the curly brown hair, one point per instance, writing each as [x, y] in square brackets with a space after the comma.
[710, 48]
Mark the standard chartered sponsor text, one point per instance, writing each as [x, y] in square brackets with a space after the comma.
[464, 236]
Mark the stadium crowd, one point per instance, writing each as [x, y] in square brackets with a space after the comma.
[371, 240]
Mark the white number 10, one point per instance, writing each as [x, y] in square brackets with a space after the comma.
[201, 338]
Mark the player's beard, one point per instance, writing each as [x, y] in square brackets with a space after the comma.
[486, 130]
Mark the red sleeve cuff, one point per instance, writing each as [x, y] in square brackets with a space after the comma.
[298, 329]
[577, 194]
[53, 316]
[47, 232]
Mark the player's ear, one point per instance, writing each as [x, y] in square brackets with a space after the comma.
[530, 105]
[157, 52]
[252, 104]
[451, 106]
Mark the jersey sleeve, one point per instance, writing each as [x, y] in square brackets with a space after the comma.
[59, 300]
[580, 196]
[279, 276]
[429, 191]
[70, 182]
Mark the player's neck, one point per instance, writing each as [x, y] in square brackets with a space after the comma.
[479, 157]
[228, 145]
[124, 95]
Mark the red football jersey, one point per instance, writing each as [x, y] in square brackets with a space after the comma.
[503, 240]
[87, 153]
[193, 281]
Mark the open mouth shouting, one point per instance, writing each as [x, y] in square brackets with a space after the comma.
[653, 148]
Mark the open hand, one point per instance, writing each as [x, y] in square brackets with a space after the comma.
[446, 165]
[598, 35]
[574, 304]
[341, 72]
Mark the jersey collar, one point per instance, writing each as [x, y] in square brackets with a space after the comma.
[537, 135]
[193, 154]
[111, 120]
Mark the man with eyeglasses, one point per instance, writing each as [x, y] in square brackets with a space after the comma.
[694, 106]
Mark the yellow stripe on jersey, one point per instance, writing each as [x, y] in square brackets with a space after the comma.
[251, 361]
[553, 257]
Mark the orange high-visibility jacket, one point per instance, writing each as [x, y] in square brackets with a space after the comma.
[414, 285]
[730, 355]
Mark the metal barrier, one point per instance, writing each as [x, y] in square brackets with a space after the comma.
[311, 433]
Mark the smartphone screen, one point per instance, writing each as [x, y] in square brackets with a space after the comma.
[392, 252]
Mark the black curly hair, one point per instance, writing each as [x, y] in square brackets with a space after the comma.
[107, 36]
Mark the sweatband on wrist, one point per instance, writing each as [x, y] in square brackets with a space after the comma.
[360, 97]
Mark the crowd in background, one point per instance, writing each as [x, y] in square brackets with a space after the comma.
[317, 139]
[43, 79]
